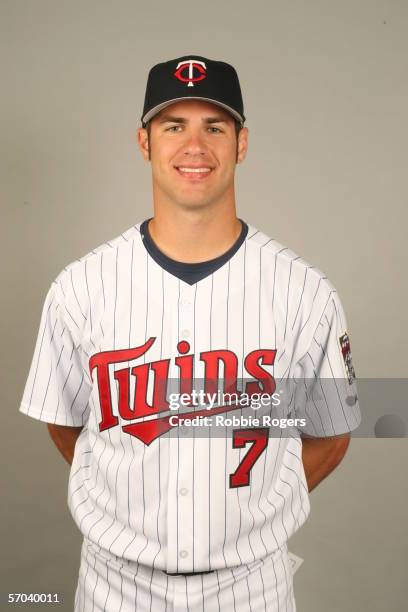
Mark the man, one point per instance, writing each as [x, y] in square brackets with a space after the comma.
[173, 518]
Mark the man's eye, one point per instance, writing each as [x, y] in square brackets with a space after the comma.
[174, 127]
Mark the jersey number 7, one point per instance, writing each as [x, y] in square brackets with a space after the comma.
[259, 439]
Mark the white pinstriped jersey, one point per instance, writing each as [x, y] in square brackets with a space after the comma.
[139, 489]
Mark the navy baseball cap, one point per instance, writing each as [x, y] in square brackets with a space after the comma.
[193, 77]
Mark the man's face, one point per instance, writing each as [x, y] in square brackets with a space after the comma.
[193, 152]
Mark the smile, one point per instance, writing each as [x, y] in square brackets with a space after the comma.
[195, 174]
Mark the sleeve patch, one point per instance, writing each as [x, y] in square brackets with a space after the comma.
[346, 352]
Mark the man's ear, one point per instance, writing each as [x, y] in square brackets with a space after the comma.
[143, 141]
[242, 144]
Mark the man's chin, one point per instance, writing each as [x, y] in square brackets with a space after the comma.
[192, 204]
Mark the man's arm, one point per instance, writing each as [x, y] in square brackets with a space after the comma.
[64, 439]
[321, 455]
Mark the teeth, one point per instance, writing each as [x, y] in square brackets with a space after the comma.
[195, 169]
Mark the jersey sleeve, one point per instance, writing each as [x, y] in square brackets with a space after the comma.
[326, 391]
[57, 388]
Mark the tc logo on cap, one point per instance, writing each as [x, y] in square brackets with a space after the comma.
[191, 64]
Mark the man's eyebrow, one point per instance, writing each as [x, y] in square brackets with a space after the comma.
[208, 120]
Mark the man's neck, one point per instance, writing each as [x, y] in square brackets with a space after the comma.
[192, 237]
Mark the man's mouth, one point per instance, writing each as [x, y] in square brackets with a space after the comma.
[194, 173]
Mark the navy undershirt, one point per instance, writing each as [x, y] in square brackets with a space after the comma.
[189, 272]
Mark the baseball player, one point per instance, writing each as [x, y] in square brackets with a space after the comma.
[173, 519]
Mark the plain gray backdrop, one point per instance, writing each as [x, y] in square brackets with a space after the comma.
[325, 93]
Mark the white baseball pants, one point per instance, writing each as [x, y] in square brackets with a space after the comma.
[110, 584]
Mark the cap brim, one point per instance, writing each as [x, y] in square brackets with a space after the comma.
[156, 109]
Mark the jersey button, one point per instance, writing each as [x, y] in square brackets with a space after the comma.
[183, 491]
[183, 554]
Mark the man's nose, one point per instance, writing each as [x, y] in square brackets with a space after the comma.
[195, 143]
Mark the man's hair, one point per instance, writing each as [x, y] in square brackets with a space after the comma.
[238, 127]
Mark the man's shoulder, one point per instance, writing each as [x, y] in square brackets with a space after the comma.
[298, 285]
[106, 251]
[282, 256]
[265, 243]
[90, 278]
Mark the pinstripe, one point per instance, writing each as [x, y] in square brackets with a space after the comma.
[324, 397]
[225, 436]
[178, 437]
[36, 365]
[202, 590]
[159, 453]
[103, 514]
[287, 297]
[89, 299]
[46, 391]
[232, 591]
[280, 440]
[273, 302]
[287, 583]
[167, 590]
[308, 415]
[299, 485]
[250, 491]
[209, 434]
[253, 234]
[144, 361]
[129, 344]
[334, 382]
[83, 483]
[307, 268]
[83, 589]
[104, 299]
[77, 393]
[108, 583]
[188, 607]
[295, 519]
[194, 372]
[314, 299]
[94, 589]
[261, 493]
[114, 345]
[121, 439]
[249, 594]
[276, 582]
[76, 296]
[218, 592]
[242, 379]
[72, 318]
[151, 599]
[89, 491]
[100, 455]
[66, 379]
